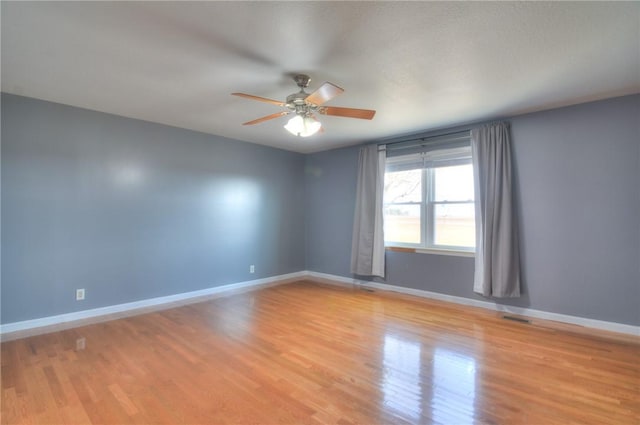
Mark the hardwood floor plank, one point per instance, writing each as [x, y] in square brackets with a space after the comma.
[307, 353]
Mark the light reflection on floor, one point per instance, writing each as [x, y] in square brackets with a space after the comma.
[401, 377]
[454, 387]
[448, 388]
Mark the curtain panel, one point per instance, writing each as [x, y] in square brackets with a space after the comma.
[497, 259]
[367, 249]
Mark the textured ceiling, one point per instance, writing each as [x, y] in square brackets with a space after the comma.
[421, 65]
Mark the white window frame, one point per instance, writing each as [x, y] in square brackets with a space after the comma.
[445, 157]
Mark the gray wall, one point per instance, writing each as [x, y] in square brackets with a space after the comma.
[132, 210]
[578, 173]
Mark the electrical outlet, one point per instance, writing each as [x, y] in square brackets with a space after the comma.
[252, 269]
[79, 294]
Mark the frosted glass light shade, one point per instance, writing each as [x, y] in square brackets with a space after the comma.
[303, 126]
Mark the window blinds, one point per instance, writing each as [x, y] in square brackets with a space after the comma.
[441, 151]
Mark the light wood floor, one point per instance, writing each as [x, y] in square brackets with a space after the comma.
[308, 353]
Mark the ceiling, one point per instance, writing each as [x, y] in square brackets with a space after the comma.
[421, 65]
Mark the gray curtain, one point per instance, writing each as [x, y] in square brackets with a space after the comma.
[367, 249]
[497, 260]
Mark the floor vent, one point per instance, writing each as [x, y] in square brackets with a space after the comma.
[364, 288]
[516, 319]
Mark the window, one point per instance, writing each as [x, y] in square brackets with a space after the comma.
[429, 199]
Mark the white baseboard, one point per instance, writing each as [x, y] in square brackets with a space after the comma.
[69, 320]
[26, 328]
[521, 311]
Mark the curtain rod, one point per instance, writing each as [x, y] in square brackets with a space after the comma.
[460, 130]
[416, 141]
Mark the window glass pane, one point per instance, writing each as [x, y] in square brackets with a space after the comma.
[454, 183]
[455, 225]
[402, 223]
[403, 186]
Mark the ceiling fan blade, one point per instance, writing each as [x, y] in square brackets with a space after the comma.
[267, 118]
[258, 98]
[326, 92]
[364, 114]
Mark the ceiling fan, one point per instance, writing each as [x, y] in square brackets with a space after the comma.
[305, 105]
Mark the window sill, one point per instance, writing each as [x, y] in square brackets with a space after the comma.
[450, 252]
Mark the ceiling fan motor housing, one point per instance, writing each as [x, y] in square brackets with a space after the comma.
[296, 102]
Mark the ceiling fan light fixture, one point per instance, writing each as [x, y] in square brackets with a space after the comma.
[303, 126]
